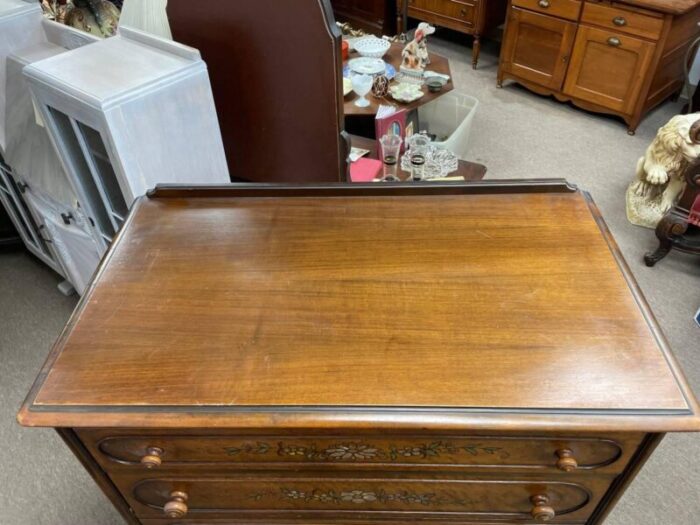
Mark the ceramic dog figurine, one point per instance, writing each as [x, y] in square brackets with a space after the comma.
[415, 54]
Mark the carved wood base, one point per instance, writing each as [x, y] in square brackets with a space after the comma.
[674, 232]
[631, 121]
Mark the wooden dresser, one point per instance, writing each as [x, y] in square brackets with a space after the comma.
[473, 17]
[621, 58]
[443, 353]
[374, 16]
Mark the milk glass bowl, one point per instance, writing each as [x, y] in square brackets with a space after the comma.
[361, 84]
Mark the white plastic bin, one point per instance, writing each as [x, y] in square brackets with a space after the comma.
[450, 119]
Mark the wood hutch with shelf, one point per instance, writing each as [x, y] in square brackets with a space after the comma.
[620, 58]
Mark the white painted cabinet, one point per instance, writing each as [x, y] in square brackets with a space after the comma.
[34, 188]
[86, 129]
[126, 114]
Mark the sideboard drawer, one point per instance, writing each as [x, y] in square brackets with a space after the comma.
[568, 9]
[623, 20]
[460, 11]
[469, 452]
[241, 495]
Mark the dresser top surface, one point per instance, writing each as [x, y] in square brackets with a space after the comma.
[251, 303]
[674, 7]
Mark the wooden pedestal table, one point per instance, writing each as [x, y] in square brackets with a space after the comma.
[438, 64]
[363, 354]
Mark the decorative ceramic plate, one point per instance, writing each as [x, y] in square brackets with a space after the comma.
[405, 92]
[367, 66]
[347, 87]
[389, 72]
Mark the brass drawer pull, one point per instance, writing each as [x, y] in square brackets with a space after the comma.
[567, 462]
[541, 511]
[463, 12]
[619, 21]
[153, 457]
[614, 41]
[176, 508]
[544, 4]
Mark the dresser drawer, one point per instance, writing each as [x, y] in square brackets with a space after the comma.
[240, 495]
[460, 12]
[468, 452]
[567, 9]
[623, 20]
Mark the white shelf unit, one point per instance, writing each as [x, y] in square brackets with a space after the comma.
[34, 189]
[151, 120]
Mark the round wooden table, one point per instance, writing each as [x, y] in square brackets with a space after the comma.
[438, 64]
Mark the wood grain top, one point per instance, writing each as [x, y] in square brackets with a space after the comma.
[353, 301]
[673, 7]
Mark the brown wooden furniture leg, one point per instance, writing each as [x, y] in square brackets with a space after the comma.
[476, 50]
[667, 231]
[672, 229]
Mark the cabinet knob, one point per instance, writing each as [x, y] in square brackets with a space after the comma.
[544, 4]
[541, 511]
[619, 21]
[463, 12]
[153, 457]
[177, 507]
[567, 462]
[614, 41]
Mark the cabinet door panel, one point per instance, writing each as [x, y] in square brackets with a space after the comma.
[536, 47]
[608, 68]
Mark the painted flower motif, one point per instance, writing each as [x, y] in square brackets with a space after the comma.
[294, 494]
[351, 451]
[293, 451]
[358, 496]
[412, 452]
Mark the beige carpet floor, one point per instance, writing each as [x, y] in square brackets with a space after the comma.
[517, 135]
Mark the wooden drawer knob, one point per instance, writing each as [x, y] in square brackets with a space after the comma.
[567, 462]
[541, 511]
[177, 506]
[153, 457]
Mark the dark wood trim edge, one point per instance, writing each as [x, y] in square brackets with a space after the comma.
[504, 186]
[649, 317]
[97, 474]
[619, 486]
[23, 416]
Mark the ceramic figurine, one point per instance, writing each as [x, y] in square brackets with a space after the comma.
[57, 10]
[380, 86]
[660, 171]
[99, 17]
[415, 54]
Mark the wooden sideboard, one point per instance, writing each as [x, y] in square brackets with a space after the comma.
[621, 58]
[380, 17]
[473, 17]
[316, 355]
